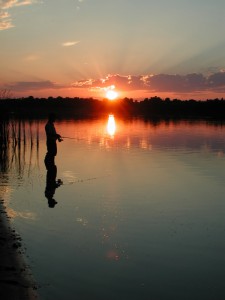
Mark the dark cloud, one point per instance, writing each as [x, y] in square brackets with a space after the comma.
[177, 83]
[217, 80]
[33, 85]
[160, 83]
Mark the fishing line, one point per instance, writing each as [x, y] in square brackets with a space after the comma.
[79, 139]
[82, 180]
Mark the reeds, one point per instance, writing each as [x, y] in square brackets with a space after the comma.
[17, 139]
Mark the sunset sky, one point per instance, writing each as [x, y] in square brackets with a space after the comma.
[138, 48]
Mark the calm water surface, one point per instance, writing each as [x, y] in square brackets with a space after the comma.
[139, 216]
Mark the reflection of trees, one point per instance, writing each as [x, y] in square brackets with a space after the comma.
[18, 138]
[4, 137]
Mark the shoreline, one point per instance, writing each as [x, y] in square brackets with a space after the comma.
[16, 281]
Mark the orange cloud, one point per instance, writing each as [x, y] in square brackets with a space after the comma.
[5, 17]
[5, 4]
[5, 20]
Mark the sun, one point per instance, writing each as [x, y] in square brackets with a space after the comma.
[111, 95]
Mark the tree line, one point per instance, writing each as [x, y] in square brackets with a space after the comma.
[153, 107]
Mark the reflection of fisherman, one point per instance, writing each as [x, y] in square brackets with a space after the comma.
[51, 183]
[52, 136]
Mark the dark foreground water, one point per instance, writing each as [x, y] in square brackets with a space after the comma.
[140, 214]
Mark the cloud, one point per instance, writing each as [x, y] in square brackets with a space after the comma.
[69, 44]
[176, 83]
[84, 83]
[28, 2]
[5, 4]
[5, 25]
[78, 7]
[158, 83]
[5, 20]
[217, 79]
[119, 81]
[31, 57]
[182, 85]
[24, 86]
[5, 17]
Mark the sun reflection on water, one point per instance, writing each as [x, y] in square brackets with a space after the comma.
[111, 125]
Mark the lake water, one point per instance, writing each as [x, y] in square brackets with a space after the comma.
[140, 214]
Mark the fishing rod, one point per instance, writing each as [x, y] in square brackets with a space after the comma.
[77, 139]
[71, 138]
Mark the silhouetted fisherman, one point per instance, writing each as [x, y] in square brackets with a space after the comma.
[51, 183]
[52, 136]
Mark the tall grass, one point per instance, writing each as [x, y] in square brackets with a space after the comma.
[17, 137]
